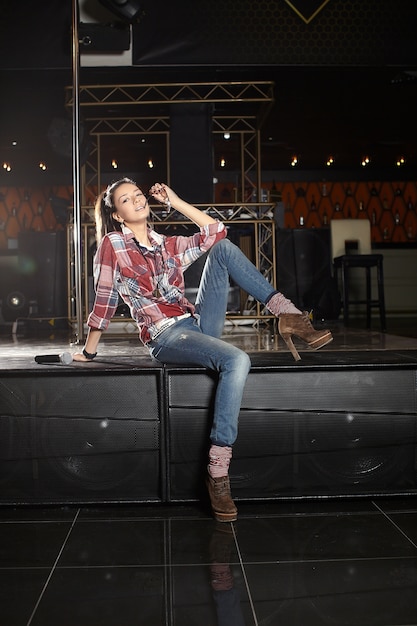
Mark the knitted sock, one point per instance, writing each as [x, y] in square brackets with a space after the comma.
[219, 461]
[279, 305]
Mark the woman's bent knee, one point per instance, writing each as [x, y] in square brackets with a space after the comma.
[221, 246]
[243, 361]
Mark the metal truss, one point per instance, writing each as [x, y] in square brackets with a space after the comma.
[259, 92]
[248, 102]
[239, 109]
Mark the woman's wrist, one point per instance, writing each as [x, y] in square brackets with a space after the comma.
[89, 355]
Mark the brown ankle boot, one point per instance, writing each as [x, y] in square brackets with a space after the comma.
[223, 507]
[300, 326]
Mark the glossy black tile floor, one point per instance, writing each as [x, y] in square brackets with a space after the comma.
[299, 563]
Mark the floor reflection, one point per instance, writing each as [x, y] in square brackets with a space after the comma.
[226, 595]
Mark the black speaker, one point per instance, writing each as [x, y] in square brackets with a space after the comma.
[86, 438]
[16, 452]
[355, 452]
[60, 137]
[43, 271]
[113, 37]
[295, 439]
[303, 263]
[192, 152]
[14, 302]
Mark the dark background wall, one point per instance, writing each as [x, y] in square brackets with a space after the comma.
[343, 69]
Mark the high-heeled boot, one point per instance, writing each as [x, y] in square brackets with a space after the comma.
[299, 325]
[293, 322]
[218, 484]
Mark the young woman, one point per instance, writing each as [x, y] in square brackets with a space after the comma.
[146, 270]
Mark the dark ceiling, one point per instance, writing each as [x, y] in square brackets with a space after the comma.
[352, 96]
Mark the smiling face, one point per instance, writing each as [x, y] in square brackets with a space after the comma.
[130, 203]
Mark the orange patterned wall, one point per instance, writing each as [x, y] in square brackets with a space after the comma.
[390, 206]
[31, 209]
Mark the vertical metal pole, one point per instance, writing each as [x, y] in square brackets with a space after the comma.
[76, 172]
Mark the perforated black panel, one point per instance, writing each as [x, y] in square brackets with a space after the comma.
[300, 433]
[80, 438]
[271, 32]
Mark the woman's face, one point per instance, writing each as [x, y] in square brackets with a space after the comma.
[131, 205]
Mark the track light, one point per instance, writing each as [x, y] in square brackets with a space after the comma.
[125, 9]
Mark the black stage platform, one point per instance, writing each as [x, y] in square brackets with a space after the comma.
[339, 423]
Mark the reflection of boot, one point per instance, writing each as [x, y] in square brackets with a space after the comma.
[226, 595]
[221, 543]
[224, 508]
[221, 577]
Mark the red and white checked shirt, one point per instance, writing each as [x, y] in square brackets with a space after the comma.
[150, 282]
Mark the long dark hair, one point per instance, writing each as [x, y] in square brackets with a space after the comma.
[104, 209]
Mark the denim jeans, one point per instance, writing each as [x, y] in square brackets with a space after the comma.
[196, 340]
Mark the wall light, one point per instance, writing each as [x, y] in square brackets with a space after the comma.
[222, 162]
[294, 161]
[330, 161]
[114, 164]
[365, 161]
[7, 167]
[150, 164]
[400, 162]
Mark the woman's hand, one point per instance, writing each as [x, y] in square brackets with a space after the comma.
[163, 194]
[78, 356]
[166, 195]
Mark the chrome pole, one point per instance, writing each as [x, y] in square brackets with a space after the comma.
[76, 161]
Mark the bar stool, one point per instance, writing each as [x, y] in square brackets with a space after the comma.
[354, 235]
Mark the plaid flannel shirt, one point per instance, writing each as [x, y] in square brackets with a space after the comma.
[150, 282]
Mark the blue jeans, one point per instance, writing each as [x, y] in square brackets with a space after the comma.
[196, 340]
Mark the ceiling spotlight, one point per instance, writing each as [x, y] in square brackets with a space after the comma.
[222, 162]
[226, 135]
[365, 161]
[42, 166]
[400, 161]
[150, 164]
[294, 161]
[125, 9]
[7, 167]
[114, 164]
[330, 161]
